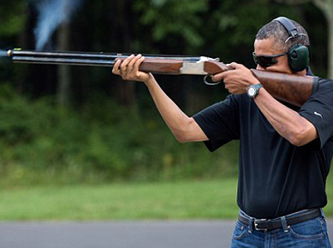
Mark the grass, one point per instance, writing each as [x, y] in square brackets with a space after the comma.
[179, 200]
[214, 199]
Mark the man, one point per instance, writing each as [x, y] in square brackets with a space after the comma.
[285, 152]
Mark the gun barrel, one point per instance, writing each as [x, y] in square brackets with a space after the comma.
[80, 58]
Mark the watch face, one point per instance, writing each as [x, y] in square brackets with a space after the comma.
[251, 91]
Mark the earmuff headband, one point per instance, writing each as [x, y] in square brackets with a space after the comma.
[288, 25]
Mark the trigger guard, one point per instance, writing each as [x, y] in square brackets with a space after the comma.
[210, 82]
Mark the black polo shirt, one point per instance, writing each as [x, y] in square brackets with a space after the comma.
[275, 177]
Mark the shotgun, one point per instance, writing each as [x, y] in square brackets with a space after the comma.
[292, 89]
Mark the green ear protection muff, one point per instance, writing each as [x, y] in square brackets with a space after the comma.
[298, 55]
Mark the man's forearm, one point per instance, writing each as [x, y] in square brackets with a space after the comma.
[287, 122]
[183, 127]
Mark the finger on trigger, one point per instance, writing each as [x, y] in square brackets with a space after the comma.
[218, 77]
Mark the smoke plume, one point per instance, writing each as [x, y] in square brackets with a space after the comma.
[51, 14]
[3, 53]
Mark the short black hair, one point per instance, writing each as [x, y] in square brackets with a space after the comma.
[277, 31]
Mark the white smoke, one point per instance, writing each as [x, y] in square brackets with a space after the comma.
[51, 14]
[3, 53]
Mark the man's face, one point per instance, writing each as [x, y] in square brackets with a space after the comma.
[265, 47]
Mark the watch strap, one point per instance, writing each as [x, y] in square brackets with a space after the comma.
[256, 88]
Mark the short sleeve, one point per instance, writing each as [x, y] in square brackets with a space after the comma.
[319, 110]
[220, 122]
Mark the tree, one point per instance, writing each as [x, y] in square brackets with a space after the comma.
[326, 6]
[64, 73]
[182, 21]
[11, 18]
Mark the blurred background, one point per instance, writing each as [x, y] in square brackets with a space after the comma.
[67, 125]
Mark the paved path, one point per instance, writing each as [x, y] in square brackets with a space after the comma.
[146, 234]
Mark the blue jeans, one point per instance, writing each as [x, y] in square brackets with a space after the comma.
[308, 234]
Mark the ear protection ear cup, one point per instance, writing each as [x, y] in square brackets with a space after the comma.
[298, 57]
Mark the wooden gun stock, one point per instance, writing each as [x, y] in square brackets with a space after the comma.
[292, 89]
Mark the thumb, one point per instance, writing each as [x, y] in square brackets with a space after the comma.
[236, 65]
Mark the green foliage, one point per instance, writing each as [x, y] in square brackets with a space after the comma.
[180, 18]
[12, 17]
[231, 27]
[214, 28]
[41, 143]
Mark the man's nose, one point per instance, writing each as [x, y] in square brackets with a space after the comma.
[260, 68]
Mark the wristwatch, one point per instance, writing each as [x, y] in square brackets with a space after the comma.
[253, 90]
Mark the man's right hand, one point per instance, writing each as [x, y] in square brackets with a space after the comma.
[128, 69]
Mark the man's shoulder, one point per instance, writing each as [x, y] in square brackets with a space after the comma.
[325, 85]
[325, 81]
